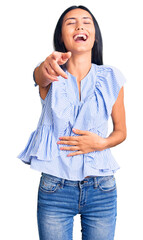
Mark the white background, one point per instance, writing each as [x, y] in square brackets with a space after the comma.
[26, 39]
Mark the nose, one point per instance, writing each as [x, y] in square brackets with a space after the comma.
[79, 28]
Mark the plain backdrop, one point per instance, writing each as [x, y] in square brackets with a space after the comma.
[26, 39]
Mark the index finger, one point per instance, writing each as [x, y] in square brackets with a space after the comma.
[58, 70]
[69, 138]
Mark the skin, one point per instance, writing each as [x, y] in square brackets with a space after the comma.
[78, 63]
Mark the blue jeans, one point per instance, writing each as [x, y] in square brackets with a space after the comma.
[59, 200]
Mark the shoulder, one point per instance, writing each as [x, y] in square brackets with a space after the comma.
[104, 69]
[109, 74]
[109, 81]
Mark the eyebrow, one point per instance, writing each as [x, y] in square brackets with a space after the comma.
[75, 18]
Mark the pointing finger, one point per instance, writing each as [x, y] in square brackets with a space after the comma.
[58, 69]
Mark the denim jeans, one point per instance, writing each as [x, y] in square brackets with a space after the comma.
[59, 200]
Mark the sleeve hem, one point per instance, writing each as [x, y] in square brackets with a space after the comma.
[35, 84]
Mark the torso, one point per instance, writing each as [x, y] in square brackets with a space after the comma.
[79, 89]
[45, 91]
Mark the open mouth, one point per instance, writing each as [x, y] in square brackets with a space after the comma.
[80, 37]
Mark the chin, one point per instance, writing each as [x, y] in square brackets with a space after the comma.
[79, 49]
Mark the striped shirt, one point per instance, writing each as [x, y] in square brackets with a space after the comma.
[62, 110]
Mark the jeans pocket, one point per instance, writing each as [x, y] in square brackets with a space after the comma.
[48, 185]
[107, 184]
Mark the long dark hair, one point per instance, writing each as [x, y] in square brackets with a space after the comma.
[97, 50]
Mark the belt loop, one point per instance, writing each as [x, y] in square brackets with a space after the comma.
[62, 182]
[95, 182]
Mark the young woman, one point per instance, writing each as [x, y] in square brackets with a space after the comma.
[70, 147]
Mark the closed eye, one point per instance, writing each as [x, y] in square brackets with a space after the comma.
[87, 22]
[71, 23]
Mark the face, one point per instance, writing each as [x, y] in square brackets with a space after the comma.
[78, 31]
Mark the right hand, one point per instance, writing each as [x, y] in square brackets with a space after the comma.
[50, 68]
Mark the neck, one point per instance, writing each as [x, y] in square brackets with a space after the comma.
[79, 65]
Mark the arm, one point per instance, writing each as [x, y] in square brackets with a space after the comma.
[119, 133]
[48, 71]
[40, 76]
[42, 80]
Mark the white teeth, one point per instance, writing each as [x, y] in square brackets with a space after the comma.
[80, 35]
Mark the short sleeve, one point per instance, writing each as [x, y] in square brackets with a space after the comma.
[118, 77]
[109, 82]
[116, 83]
[34, 75]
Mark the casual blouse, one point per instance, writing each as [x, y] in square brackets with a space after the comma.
[62, 110]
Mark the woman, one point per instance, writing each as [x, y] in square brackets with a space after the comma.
[78, 95]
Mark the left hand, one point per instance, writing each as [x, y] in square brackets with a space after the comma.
[87, 142]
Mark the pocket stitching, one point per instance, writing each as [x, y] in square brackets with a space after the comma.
[49, 191]
[108, 190]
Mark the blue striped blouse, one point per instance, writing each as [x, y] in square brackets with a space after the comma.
[62, 110]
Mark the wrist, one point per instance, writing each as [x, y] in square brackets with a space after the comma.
[100, 143]
[104, 144]
[42, 79]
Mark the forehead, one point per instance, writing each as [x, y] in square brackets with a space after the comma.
[77, 13]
